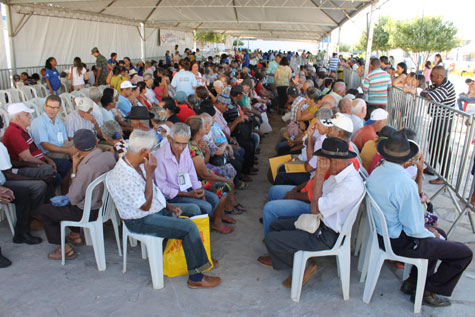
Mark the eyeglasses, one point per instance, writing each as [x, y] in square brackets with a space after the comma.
[180, 144]
[54, 108]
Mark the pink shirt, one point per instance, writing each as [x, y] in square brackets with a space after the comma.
[219, 119]
[166, 173]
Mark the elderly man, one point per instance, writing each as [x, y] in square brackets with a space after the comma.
[21, 147]
[338, 91]
[284, 239]
[89, 162]
[82, 118]
[124, 104]
[441, 91]
[377, 86]
[150, 94]
[370, 131]
[144, 209]
[101, 67]
[358, 109]
[400, 202]
[176, 176]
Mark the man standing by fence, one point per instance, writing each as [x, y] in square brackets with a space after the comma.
[441, 91]
[377, 86]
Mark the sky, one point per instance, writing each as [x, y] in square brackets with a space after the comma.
[452, 10]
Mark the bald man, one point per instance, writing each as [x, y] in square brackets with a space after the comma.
[339, 90]
[441, 91]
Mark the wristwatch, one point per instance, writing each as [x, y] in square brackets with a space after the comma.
[73, 175]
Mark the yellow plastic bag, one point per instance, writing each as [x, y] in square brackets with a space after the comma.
[174, 261]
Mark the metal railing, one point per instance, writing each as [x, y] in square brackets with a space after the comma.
[6, 74]
[352, 78]
[445, 136]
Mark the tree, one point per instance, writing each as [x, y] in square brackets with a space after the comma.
[423, 36]
[210, 37]
[383, 29]
[238, 43]
[346, 48]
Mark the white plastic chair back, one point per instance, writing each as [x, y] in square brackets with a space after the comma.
[67, 104]
[39, 104]
[32, 105]
[29, 92]
[78, 93]
[6, 120]
[41, 90]
[5, 97]
[17, 95]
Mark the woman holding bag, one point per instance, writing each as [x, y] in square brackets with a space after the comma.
[78, 75]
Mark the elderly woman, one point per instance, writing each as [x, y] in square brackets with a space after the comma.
[221, 185]
[112, 133]
[161, 126]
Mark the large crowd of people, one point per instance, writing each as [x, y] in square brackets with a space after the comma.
[181, 136]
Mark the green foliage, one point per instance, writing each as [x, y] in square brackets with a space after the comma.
[424, 36]
[238, 43]
[210, 37]
[383, 29]
[346, 48]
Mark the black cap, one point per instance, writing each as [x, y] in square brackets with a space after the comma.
[84, 140]
[139, 113]
[292, 91]
[236, 89]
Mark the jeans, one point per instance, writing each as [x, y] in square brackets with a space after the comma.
[162, 225]
[463, 98]
[279, 208]
[189, 210]
[207, 206]
[63, 167]
[257, 140]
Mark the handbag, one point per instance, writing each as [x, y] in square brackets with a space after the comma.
[308, 222]
[219, 160]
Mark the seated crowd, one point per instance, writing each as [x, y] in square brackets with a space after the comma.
[177, 142]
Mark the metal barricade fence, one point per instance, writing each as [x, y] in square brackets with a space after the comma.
[444, 135]
[352, 78]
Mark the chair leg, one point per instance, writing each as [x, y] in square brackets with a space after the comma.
[344, 260]
[156, 262]
[115, 225]
[144, 250]
[362, 228]
[97, 236]
[10, 215]
[63, 241]
[124, 244]
[133, 242]
[421, 283]
[366, 258]
[374, 269]
[407, 271]
[88, 236]
[297, 275]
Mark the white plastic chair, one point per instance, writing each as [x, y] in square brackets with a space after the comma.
[5, 97]
[67, 104]
[32, 105]
[29, 92]
[41, 90]
[94, 228]
[38, 103]
[6, 120]
[17, 95]
[342, 251]
[78, 93]
[85, 91]
[10, 213]
[153, 248]
[377, 256]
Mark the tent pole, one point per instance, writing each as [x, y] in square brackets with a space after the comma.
[10, 40]
[338, 43]
[142, 42]
[370, 37]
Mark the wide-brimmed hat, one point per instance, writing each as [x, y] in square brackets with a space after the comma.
[139, 113]
[397, 148]
[335, 148]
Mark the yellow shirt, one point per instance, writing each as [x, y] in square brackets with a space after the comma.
[116, 81]
[368, 151]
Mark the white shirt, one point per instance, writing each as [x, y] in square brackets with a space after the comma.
[5, 162]
[150, 94]
[184, 81]
[78, 78]
[340, 193]
[127, 188]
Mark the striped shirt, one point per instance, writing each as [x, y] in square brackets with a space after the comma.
[377, 85]
[444, 94]
[334, 64]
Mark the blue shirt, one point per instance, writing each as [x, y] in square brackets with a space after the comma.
[184, 81]
[168, 60]
[110, 61]
[124, 105]
[54, 79]
[397, 195]
[246, 60]
[43, 130]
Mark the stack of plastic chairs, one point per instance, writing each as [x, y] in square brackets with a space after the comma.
[29, 92]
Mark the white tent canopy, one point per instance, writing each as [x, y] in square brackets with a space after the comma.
[43, 28]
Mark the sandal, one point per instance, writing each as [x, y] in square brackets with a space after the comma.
[74, 241]
[229, 220]
[240, 207]
[234, 212]
[56, 254]
[224, 230]
[242, 185]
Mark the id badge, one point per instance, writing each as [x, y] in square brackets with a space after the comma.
[184, 181]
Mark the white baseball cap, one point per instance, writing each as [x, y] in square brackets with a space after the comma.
[378, 114]
[83, 103]
[126, 84]
[15, 108]
[343, 122]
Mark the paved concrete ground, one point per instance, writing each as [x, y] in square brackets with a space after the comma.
[36, 286]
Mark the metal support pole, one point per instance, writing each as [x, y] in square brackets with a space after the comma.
[328, 46]
[142, 42]
[338, 43]
[370, 37]
[10, 40]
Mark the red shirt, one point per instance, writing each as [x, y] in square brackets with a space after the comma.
[17, 140]
[363, 135]
[185, 112]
